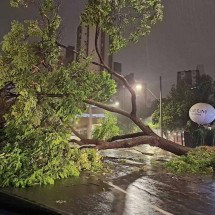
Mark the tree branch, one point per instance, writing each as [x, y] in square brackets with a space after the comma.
[62, 46]
[77, 134]
[126, 136]
[127, 143]
[107, 107]
[76, 52]
[121, 77]
[146, 130]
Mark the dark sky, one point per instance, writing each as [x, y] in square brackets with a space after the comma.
[185, 38]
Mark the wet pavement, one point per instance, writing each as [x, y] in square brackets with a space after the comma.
[133, 187]
[176, 195]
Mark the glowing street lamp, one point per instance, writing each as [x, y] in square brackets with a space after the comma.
[116, 104]
[138, 87]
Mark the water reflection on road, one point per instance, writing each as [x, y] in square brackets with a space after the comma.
[139, 190]
[176, 195]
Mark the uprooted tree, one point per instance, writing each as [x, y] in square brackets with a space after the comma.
[42, 97]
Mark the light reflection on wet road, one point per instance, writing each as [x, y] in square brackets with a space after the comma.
[172, 194]
[144, 188]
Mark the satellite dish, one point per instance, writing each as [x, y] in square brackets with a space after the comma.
[202, 113]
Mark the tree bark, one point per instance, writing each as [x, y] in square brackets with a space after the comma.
[117, 75]
[127, 143]
[145, 129]
[126, 136]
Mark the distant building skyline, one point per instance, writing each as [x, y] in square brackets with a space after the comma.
[190, 77]
[182, 40]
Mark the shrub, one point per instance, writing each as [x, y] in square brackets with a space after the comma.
[198, 161]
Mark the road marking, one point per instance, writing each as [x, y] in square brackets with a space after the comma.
[150, 205]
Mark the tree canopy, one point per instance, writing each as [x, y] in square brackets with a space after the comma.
[49, 95]
[108, 127]
[180, 99]
[123, 20]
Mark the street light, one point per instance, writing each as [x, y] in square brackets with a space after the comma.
[160, 105]
[161, 110]
[138, 87]
[116, 104]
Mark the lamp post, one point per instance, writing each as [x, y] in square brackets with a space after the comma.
[138, 87]
[161, 116]
[89, 123]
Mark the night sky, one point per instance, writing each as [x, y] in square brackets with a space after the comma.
[185, 38]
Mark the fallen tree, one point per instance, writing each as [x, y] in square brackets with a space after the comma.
[134, 141]
[47, 95]
[147, 135]
[104, 19]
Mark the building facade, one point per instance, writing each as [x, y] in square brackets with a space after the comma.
[86, 36]
[86, 45]
[190, 77]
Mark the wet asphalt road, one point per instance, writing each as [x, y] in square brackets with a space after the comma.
[135, 189]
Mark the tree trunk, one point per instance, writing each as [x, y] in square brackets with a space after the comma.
[188, 139]
[127, 143]
[126, 136]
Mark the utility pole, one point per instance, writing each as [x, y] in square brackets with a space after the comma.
[90, 123]
[161, 116]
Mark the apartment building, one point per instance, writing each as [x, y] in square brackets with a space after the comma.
[86, 45]
[190, 77]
